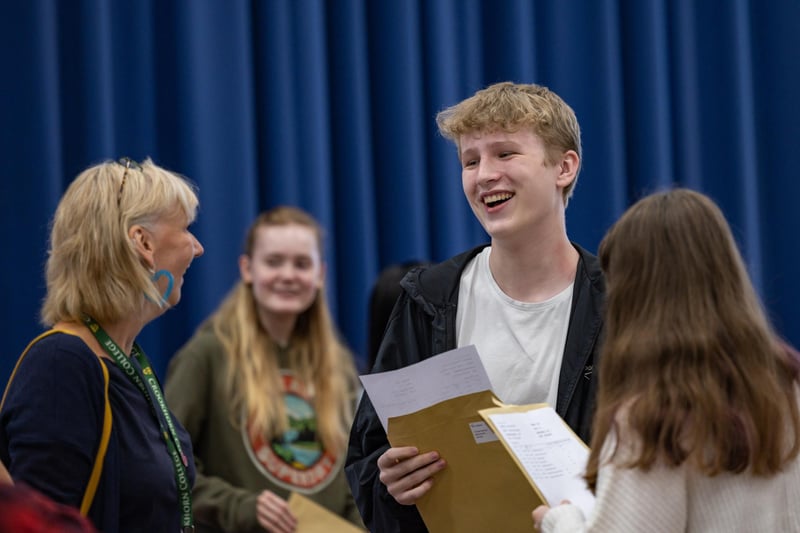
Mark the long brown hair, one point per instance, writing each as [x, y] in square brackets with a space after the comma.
[689, 353]
[316, 354]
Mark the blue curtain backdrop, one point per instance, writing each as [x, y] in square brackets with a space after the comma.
[330, 105]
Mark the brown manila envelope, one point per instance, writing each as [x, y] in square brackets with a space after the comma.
[314, 518]
[552, 457]
[481, 489]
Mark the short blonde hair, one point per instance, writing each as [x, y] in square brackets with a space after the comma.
[511, 107]
[92, 265]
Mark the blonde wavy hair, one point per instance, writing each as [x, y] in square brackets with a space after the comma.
[508, 106]
[316, 355]
[92, 265]
[689, 353]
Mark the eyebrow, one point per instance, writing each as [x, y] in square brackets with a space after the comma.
[493, 145]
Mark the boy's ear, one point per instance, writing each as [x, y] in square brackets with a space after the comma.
[568, 168]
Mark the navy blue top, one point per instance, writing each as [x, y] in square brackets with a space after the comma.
[50, 431]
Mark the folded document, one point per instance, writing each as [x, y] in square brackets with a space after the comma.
[502, 461]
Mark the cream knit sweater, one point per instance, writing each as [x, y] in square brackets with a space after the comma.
[665, 499]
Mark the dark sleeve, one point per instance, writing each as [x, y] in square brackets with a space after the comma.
[577, 388]
[52, 419]
[379, 510]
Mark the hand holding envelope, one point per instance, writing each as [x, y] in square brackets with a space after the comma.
[481, 489]
[440, 407]
[407, 474]
[433, 406]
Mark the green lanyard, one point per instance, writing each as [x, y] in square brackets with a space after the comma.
[147, 383]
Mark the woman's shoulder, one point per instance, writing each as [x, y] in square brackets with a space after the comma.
[621, 442]
[61, 353]
[204, 340]
[59, 372]
[203, 349]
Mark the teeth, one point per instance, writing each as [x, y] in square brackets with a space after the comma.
[499, 197]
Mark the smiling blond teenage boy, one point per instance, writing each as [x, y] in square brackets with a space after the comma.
[530, 301]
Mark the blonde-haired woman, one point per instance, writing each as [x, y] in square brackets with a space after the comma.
[266, 388]
[83, 419]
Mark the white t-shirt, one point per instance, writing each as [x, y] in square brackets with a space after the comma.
[521, 344]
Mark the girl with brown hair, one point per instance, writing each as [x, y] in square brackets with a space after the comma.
[697, 425]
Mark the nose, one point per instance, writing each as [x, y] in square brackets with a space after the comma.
[487, 171]
[287, 270]
[197, 247]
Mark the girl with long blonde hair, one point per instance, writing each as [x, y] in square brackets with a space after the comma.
[267, 388]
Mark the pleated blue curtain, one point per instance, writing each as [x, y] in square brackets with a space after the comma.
[330, 105]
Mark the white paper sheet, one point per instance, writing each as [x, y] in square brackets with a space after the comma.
[433, 380]
[549, 452]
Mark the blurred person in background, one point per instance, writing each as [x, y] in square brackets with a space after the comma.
[24, 510]
[382, 298]
[266, 387]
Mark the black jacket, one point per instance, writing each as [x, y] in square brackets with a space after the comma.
[423, 324]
